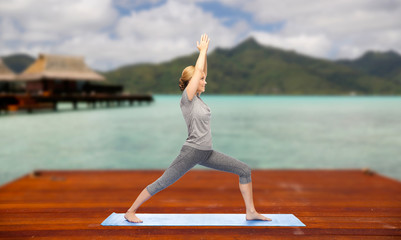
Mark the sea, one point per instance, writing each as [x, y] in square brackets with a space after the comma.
[266, 132]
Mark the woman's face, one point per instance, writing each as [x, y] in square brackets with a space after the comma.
[202, 84]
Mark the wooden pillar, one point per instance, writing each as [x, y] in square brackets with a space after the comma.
[55, 105]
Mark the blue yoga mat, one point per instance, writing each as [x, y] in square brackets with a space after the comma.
[283, 220]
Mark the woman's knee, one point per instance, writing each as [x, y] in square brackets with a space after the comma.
[247, 171]
[246, 175]
[154, 188]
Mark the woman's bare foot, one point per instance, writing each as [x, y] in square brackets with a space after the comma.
[256, 216]
[131, 217]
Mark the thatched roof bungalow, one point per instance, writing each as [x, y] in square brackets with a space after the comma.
[55, 74]
[7, 76]
[57, 67]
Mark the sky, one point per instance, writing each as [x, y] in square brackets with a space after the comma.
[113, 33]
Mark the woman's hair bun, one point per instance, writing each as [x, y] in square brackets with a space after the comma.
[186, 76]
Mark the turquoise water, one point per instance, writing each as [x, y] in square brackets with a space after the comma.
[263, 131]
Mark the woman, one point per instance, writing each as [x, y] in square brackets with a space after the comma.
[198, 147]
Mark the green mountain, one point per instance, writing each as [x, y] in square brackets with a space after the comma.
[251, 68]
[18, 62]
[385, 65]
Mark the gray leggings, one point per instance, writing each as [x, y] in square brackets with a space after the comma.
[189, 157]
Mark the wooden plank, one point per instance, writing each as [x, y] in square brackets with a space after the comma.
[334, 204]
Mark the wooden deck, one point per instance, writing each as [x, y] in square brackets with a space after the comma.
[334, 204]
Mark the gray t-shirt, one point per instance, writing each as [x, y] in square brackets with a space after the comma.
[197, 117]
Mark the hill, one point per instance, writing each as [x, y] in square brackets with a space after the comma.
[18, 62]
[385, 65]
[251, 68]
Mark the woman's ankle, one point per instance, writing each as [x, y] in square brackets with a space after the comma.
[251, 211]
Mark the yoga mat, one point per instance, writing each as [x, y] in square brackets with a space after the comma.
[283, 220]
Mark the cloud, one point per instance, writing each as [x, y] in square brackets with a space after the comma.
[340, 29]
[312, 45]
[111, 33]
[172, 29]
[106, 37]
[149, 35]
[61, 18]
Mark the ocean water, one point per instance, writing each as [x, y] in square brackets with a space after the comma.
[266, 132]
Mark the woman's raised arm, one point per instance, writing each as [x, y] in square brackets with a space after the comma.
[200, 66]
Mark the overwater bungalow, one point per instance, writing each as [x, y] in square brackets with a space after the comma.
[53, 75]
[53, 79]
[7, 77]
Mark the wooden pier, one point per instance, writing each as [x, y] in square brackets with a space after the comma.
[14, 102]
[334, 204]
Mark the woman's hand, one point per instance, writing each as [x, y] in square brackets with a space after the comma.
[200, 67]
[204, 43]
